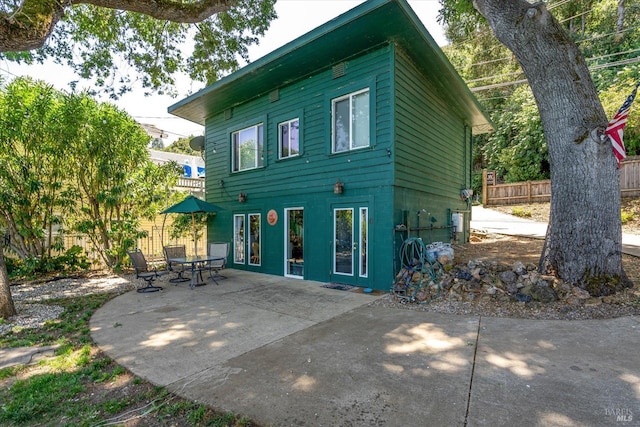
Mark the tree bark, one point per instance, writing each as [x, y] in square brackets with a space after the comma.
[28, 26]
[7, 308]
[583, 245]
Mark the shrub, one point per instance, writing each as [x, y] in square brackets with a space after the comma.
[521, 212]
[626, 216]
[73, 259]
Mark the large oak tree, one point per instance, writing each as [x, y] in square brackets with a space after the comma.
[583, 245]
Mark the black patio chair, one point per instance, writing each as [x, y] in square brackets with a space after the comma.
[145, 272]
[176, 252]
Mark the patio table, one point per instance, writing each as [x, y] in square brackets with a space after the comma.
[195, 261]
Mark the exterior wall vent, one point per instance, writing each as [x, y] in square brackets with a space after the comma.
[274, 95]
[228, 113]
[339, 70]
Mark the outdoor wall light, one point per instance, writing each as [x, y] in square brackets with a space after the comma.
[338, 187]
[242, 197]
[221, 183]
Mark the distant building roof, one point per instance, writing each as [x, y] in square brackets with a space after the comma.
[153, 131]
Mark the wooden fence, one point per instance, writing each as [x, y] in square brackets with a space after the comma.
[494, 194]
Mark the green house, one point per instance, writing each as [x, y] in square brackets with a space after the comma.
[332, 150]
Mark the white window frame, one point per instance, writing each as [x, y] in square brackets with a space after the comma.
[258, 147]
[288, 124]
[350, 97]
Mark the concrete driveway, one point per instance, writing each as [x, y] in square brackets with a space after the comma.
[290, 352]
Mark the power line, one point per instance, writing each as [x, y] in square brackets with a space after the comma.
[592, 68]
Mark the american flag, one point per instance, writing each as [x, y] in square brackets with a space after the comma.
[617, 124]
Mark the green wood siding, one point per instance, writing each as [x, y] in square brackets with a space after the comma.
[307, 180]
[432, 147]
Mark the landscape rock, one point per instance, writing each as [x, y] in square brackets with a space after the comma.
[508, 277]
[542, 292]
[580, 293]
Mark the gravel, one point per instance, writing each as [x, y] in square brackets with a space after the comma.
[29, 298]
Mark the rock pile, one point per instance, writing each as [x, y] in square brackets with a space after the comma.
[486, 280]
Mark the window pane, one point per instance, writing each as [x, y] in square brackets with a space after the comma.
[360, 114]
[238, 239]
[247, 148]
[236, 152]
[294, 141]
[294, 242]
[254, 239]
[258, 155]
[284, 139]
[343, 238]
[364, 251]
[288, 137]
[248, 143]
[341, 124]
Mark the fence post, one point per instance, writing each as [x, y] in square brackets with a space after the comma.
[484, 188]
[529, 192]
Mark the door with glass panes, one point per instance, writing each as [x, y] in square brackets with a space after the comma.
[294, 242]
[246, 239]
[350, 253]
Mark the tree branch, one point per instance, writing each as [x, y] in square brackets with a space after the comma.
[31, 23]
[167, 10]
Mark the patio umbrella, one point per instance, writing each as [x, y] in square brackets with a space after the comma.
[192, 205]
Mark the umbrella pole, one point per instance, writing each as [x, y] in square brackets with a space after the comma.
[195, 241]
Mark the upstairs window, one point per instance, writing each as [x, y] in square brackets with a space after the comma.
[350, 121]
[289, 139]
[247, 151]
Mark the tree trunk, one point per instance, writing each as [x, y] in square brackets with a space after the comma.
[7, 309]
[583, 245]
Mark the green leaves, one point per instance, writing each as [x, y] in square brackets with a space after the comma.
[609, 39]
[68, 162]
[116, 48]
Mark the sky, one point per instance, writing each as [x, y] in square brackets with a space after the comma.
[295, 18]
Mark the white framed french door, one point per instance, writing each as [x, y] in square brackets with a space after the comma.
[247, 245]
[350, 250]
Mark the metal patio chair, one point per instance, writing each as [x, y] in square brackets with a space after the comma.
[218, 249]
[145, 272]
[176, 252]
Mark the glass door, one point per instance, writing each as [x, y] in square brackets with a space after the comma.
[350, 248]
[294, 242]
[247, 250]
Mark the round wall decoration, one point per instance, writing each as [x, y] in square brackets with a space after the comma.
[272, 217]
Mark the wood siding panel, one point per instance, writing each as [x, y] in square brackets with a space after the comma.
[432, 154]
[307, 180]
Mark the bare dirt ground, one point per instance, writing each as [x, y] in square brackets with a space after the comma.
[528, 250]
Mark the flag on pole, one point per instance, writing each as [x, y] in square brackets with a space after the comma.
[617, 124]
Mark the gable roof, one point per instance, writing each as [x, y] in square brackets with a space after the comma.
[371, 24]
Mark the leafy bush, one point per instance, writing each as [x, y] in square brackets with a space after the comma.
[521, 212]
[626, 216]
[73, 259]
